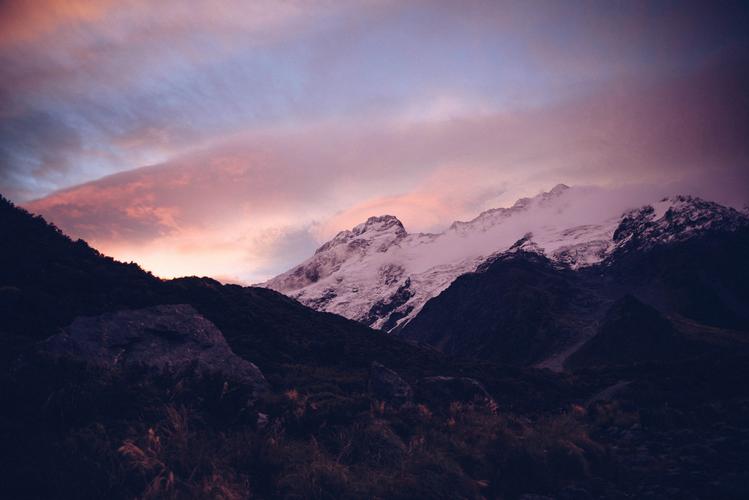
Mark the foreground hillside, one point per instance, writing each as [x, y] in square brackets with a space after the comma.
[110, 389]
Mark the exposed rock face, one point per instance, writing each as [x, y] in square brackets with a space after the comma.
[445, 390]
[389, 307]
[386, 385]
[672, 220]
[167, 338]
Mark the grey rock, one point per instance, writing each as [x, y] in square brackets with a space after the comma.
[386, 385]
[166, 338]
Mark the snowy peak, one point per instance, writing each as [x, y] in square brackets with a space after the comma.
[543, 198]
[558, 189]
[385, 228]
[490, 218]
[375, 236]
[381, 275]
[674, 219]
[383, 223]
[671, 220]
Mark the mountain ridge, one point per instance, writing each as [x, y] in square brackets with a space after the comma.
[381, 275]
[523, 308]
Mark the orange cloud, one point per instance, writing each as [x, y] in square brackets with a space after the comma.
[22, 21]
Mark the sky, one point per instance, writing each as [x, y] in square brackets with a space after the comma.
[231, 138]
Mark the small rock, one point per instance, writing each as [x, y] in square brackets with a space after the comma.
[386, 385]
[262, 420]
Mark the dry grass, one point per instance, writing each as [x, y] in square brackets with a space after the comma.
[171, 465]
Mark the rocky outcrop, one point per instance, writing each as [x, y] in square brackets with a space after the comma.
[386, 385]
[166, 338]
[388, 308]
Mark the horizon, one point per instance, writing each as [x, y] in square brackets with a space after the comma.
[232, 139]
[626, 200]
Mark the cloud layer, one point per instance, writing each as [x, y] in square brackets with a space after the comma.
[229, 138]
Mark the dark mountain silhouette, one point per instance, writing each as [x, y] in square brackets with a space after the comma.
[117, 384]
[632, 332]
[517, 309]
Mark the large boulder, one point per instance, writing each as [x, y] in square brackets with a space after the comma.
[166, 338]
[442, 390]
[388, 386]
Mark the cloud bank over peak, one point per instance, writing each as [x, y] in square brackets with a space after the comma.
[230, 138]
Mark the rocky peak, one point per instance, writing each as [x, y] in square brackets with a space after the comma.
[380, 224]
[523, 243]
[558, 189]
[524, 250]
[674, 219]
[374, 227]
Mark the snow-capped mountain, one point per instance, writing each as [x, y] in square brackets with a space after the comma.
[381, 275]
[672, 220]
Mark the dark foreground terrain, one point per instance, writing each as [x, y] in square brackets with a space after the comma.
[203, 390]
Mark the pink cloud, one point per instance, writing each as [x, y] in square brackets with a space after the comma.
[226, 209]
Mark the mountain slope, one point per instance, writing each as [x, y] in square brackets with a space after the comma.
[517, 310]
[631, 332]
[522, 307]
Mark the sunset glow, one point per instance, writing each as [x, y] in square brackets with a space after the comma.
[230, 139]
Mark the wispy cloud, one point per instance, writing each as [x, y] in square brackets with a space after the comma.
[97, 87]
